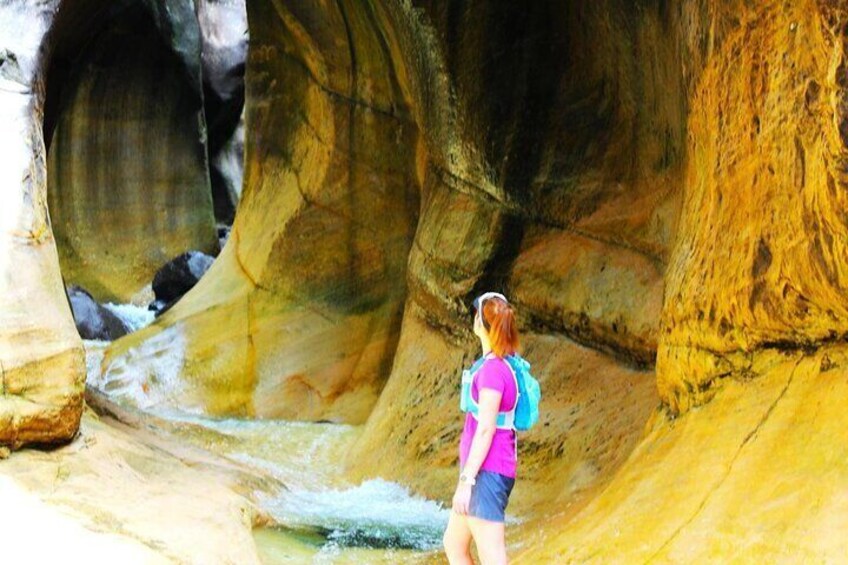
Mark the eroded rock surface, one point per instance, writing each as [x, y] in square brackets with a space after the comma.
[559, 186]
[760, 259]
[42, 364]
[308, 293]
[656, 185]
[123, 495]
[128, 167]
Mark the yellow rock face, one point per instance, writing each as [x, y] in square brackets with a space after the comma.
[344, 295]
[42, 364]
[658, 187]
[299, 316]
[755, 475]
[565, 195]
[759, 259]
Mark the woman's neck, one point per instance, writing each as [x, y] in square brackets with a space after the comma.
[486, 345]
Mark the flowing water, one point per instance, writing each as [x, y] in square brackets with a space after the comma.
[321, 517]
[134, 317]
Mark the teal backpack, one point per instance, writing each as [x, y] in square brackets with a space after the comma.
[526, 411]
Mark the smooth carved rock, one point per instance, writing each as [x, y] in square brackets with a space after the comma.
[42, 365]
[672, 191]
[311, 284]
[128, 177]
[744, 458]
[562, 191]
[577, 194]
[93, 321]
[119, 495]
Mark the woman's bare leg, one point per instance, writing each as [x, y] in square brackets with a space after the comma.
[489, 539]
[457, 540]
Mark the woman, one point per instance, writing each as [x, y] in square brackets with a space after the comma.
[487, 451]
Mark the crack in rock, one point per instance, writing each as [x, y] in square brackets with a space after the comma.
[726, 474]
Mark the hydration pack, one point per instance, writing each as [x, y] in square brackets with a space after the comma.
[525, 413]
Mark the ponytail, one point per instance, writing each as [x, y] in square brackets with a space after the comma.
[499, 322]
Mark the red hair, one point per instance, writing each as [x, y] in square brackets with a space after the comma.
[499, 322]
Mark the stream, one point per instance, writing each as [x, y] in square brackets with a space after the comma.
[321, 517]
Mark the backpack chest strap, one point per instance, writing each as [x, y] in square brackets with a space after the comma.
[505, 420]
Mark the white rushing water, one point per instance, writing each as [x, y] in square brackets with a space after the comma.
[317, 501]
[134, 317]
[375, 513]
[146, 376]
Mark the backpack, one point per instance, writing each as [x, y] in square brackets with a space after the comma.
[526, 411]
[529, 393]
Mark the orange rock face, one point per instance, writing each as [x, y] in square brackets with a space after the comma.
[759, 258]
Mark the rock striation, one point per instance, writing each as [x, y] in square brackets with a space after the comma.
[657, 186]
[128, 172]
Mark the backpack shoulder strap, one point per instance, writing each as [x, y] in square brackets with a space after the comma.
[505, 420]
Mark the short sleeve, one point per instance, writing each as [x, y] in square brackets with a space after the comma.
[493, 375]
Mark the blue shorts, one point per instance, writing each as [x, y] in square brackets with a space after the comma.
[490, 495]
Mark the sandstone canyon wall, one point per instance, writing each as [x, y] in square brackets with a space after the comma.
[760, 255]
[128, 176]
[41, 357]
[658, 187]
[299, 316]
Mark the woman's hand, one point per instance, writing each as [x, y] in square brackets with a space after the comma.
[461, 499]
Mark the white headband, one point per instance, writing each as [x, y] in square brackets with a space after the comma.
[478, 302]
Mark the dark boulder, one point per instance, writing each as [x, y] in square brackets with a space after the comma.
[93, 320]
[223, 234]
[177, 277]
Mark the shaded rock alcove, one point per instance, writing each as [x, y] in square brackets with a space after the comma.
[128, 179]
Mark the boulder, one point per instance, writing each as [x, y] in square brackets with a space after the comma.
[93, 320]
[177, 277]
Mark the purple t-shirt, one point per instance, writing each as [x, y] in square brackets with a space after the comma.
[494, 374]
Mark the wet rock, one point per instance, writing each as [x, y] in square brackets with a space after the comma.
[177, 277]
[93, 320]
